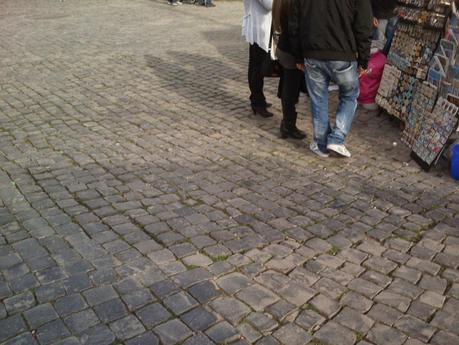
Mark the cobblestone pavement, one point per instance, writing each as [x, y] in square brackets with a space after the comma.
[142, 203]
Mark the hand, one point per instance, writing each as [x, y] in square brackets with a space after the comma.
[300, 66]
[375, 22]
[363, 71]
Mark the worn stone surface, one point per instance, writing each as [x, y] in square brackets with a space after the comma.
[141, 202]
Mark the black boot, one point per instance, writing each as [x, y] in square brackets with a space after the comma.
[261, 111]
[289, 131]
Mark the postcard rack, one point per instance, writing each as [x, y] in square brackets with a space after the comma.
[420, 83]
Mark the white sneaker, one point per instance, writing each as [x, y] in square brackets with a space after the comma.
[314, 148]
[339, 149]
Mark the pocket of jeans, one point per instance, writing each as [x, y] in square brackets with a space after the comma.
[342, 67]
[309, 63]
[346, 76]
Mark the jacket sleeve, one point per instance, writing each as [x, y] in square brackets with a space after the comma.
[267, 4]
[362, 27]
[294, 23]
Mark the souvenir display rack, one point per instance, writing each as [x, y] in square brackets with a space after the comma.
[419, 84]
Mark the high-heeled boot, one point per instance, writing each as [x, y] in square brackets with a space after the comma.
[261, 111]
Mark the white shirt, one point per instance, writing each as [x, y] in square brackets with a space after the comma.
[256, 23]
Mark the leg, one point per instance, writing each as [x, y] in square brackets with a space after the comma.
[290, 93]
[345, 75]
[317, 80]
[256, 58]
[390, 31]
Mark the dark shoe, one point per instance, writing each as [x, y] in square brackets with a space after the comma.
[292, 132]
[210, 5]
[261, 111]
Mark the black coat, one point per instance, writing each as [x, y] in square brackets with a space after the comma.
[337, 30]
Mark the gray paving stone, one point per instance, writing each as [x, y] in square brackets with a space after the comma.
[292, 334]
[68, 341]
[354, 320]
[81, 321]
[378, 278]
[233, 282]
[164, 288]
[325, 305]
[384, 335]
[281, 309]
[146, 338]
[111, 310]
[262, 322]
[192, 277]
[153, 314]
[98, 335]
[309, 320]
[333, 333]
[404, 288]
[70, 304]
[199, 319]
[11, 326]
[257, 297]
[415, 328]
[180, 303]
[432, 298]
[443, 337]
[100, 295]
[19, 302]
[127, 327]
[356, 301]
[384, 314]
[296, 293]
[394, 300]
[231, 309]
[222, 333]
[77, 283]
[4, 290]
[364, 287]
[267, 340]
[52, 331]
[204, 292]
[49, 292]
[40, 315]
[199, 339]
[172, 332]
[137, 299]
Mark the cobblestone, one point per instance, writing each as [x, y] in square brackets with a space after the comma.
[142, 203]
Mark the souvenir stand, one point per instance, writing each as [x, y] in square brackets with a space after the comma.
[420, 83]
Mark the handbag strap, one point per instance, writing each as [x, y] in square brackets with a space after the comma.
[270, 39]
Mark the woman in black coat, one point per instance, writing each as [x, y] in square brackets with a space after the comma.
[292, 78]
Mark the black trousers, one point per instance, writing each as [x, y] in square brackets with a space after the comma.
[288, 91]
[256, 58]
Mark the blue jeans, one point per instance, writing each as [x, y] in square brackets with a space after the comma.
[318, 75]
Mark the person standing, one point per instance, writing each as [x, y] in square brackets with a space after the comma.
[291, 79]
[256, 28]
[383, 10]
[331, 41]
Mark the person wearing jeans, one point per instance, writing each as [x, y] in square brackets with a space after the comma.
[318, 74]
[331, 41]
